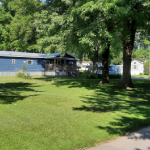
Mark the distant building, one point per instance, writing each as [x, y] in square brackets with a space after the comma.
[85, 65]
[137, 67]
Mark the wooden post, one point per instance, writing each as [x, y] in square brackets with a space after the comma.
[64, 61]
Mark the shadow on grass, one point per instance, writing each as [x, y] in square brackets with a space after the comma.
[11, 92]
[133, 105]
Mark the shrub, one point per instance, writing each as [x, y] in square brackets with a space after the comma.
[146, 68]
[21, 73]
[114, 76]
[91, 76]
[24, 68]
[99, 76]
[140, 73]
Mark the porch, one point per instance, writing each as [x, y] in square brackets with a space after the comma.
[60, 65]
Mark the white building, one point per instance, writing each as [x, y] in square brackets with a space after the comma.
[137, 67]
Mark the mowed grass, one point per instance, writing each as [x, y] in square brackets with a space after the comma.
[141, 76]
[68, 113]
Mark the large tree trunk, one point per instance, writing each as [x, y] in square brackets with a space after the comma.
[127, 55]
[105, 63]
[95, 59]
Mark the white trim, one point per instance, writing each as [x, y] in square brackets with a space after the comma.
[11, 73]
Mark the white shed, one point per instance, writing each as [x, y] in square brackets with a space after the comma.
[137, 67]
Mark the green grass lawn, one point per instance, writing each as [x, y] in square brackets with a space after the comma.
[68, 113]
[141, 76]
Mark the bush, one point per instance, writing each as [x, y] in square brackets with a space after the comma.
[24, 68]
[99, 76]
[91, 76]
[140, 73]
[146, 68]
[22, 75]
[114, 76]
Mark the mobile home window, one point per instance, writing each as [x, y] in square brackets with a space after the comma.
[29, 62]
[13, 61]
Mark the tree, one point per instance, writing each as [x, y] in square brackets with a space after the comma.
[80, 27]
[23, 31]
[141, 51]
[116, 59]
[5, 19]
[84, 24]
[130, 13]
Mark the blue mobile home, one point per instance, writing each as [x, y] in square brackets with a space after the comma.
[36, 63]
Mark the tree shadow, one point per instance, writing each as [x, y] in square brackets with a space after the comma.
[112, 98]
[134, 103]
[11, 92]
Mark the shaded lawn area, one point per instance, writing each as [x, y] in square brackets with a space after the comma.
[68, 113]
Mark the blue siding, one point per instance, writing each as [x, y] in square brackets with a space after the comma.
[6, 64]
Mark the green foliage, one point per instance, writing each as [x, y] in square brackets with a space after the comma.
[18, 31]
[5, 19]
[140, 73]
[138, 58]
[146, 68]
[91, 76]
[142, 41]
[24, 68]
[116, 59]
[22, 75]
[23, 31]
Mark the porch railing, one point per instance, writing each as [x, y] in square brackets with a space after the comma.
[62, 68]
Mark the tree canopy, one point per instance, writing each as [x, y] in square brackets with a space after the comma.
[84, 28]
